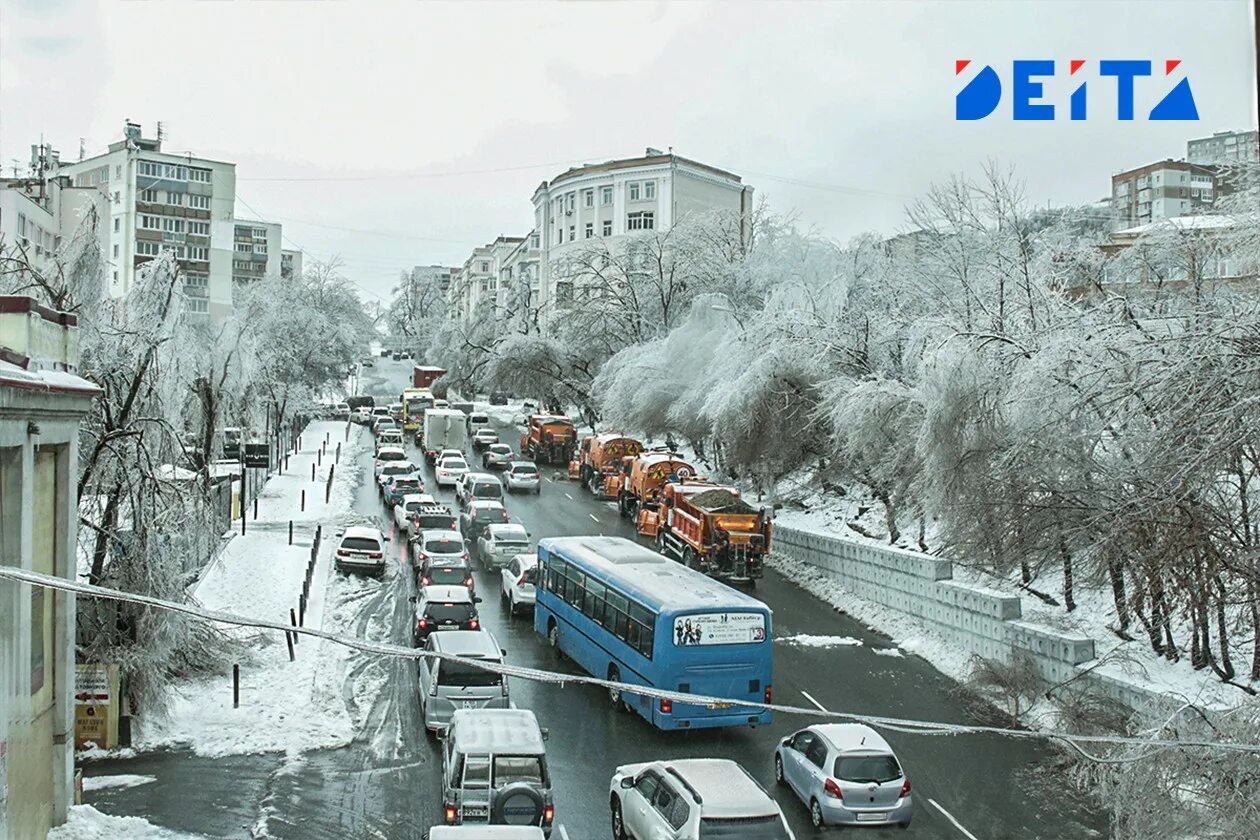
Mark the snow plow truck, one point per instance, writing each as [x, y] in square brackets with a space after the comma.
[708, 527]
[549, 439]
[597, 459]
[642, 476]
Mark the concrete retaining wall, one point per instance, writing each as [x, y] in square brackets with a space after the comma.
[981, 621]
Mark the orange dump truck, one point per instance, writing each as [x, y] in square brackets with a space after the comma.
[549, 439]
[641, 478]
[598, 457]
[709, 527]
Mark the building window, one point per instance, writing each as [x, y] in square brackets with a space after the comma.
[147, 249]
[590, 230]
[634, 190]
[199, 228]
[607, 230]
[260, 233]
[260, 247]
[200, 202]
[117, 172]
[533, 241]
[588, 198]
[605, 195]
[202, 175]
[115, 252]
[197, 305]
[572, 198]
[117, 196]
[572, 232]
[170, 225]
[150, 169]
[640, 221]
[485, 266]
[244, 248]
[175, 199]
[148, 222]
[116, 221]
[649, 189]
[149, 196]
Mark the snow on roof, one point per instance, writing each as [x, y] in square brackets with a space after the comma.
[362, 531]
[45, 380]
[1203, 222]
[725, 787]
[497, 730]
[850, 737]
[608, 437]
[650, 458]
[170, 472]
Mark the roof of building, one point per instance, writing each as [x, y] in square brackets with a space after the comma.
[1181, 223]
[630, 163]
[51, 381]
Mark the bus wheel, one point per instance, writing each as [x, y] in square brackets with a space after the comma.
[553, 639]
[615, 694]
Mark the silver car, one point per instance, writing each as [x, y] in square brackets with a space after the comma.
[494, 764]
[846, 774]
[500, 542]
[446, 685]
[523, 475]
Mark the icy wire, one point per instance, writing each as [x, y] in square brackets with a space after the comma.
[914, 727]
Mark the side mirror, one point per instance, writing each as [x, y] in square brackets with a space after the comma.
[476, 599]
[546, 733]
[440, 734]
[502, 652]
[627, 782]
[786, 741]
[411, 598]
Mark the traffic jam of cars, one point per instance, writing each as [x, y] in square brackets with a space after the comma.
[673, 615]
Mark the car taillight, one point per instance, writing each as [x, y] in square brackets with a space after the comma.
[768, 694]
[422, 623]
[376, 555]
[549, 814]
[466, 557]
[426, 580]
[905, 789]
[468, 581]
[341, 552]
[451, 813]
[832, 789]
[667, 706]
[474, 624]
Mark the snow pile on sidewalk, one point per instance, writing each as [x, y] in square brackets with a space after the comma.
[284, 706]
[87, 823]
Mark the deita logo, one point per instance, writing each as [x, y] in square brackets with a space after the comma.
[981, 95]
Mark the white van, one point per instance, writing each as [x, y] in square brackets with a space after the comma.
[443, 429]
[494, 767]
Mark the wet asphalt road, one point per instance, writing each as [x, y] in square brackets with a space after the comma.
[386, 784]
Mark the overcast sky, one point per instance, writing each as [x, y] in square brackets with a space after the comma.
[404, 133]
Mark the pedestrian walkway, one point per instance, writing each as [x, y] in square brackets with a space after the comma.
[284, 701]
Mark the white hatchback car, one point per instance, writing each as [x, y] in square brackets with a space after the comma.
[410, 505]
[449, 470]
[523, 476]
[690, 799]
[519, 577]
[361, 550]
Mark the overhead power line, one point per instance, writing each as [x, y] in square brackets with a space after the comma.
[905, 725]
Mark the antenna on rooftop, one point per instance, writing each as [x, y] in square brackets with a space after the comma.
[161, 132]
[82, 148]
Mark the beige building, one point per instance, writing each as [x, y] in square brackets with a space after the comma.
[478, 279]
[41, 404]
[160, 201]
[623, 198]
[1163, 190]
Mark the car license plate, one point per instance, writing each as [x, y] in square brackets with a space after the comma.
[871, 817]
[720, 705]
[476, 811]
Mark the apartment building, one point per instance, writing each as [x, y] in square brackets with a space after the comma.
[38, 214]
[1163, 190]
[158, 202]
[1225, 147]
[478, 279]
[440, 274]
[617, 199]
[42, 402]
[520, 281]
[290, 264]
[256, 251]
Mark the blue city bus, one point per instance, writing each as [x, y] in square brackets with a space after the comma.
[626, 613]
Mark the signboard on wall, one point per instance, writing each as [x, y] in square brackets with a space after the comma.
[257, 455]
[96, 706]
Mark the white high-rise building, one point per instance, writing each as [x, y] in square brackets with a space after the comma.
[622, 198]
[1225, 147]
[160, 201]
